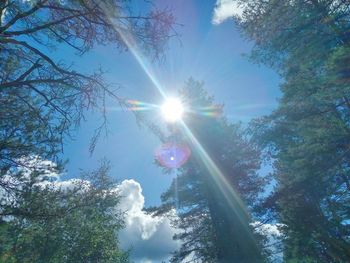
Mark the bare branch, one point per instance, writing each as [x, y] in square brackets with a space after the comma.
[19, 16]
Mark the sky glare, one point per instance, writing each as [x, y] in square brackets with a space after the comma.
[208, 49]
[154, 131]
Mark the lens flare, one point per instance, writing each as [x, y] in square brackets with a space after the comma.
[136, 105]
[232, 198]
[213, 111]
[171, 155]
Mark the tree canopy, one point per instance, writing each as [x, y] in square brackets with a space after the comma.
[307, 136]
[214, 214]
[44, 219]
[46, 97]
[43, 100]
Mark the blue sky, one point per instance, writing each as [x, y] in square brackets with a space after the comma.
[207, 52]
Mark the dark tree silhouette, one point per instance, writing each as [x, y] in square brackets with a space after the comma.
[43, 220]
[214, 208]
[308, 135]
[43, 98]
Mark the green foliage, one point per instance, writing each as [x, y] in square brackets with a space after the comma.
[213, 225]
[72, 221]
[308, 135]
[43, 100]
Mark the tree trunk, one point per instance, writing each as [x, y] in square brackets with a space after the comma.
[233, 236]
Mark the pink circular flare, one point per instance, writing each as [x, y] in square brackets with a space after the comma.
[172, 155]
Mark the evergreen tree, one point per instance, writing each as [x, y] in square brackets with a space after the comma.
[213, 207]
[50, 221]
[307, 42]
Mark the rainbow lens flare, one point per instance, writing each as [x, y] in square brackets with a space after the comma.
[172, 155]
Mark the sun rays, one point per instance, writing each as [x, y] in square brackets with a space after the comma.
[175, 112]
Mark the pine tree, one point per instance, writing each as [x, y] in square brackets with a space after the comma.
[308, 136]
[44, 220]
[214, 208]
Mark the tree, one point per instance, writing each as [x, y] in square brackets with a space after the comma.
[43, 98]
[51, 221]
[213, 223]
[307, 42]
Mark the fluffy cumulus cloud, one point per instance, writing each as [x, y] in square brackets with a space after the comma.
[150, 238]
[225, 9]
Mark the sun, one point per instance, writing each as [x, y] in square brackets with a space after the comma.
[172, 110]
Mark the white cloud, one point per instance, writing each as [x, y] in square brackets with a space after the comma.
[274, 238]
[149, 237]
[49, 175]
[225, 9]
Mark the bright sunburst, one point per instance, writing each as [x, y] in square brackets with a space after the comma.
[172, 110]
